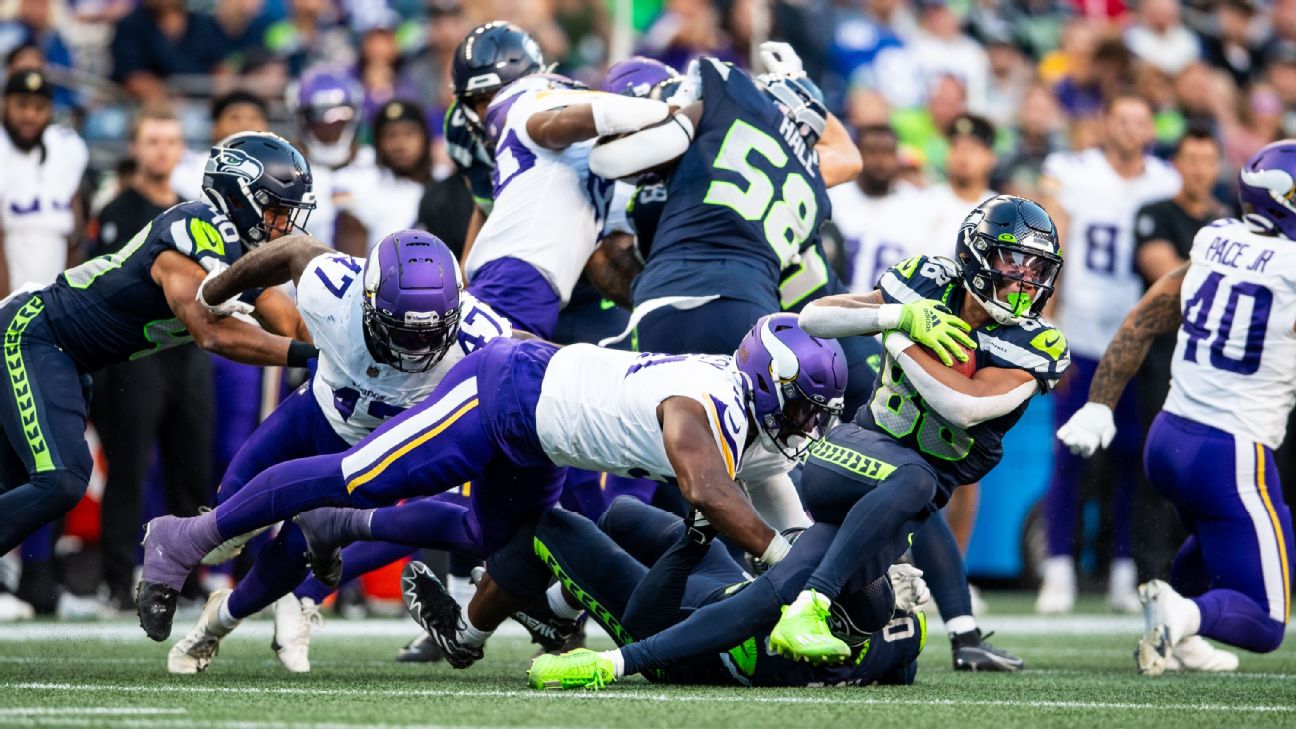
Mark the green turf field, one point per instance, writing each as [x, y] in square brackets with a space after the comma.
[1080, 673]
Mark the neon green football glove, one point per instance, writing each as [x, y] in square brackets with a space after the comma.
[933, 325]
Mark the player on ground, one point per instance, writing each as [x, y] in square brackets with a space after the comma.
[137, 301]
[389, 328]
[1210, 450]
[1095, 195]
[660, 616]
[510, 416]
[928, 427]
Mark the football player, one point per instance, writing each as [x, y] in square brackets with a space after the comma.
[928, 427]
[509, 417]
[1210, 450]
[139, 300]
[389, 328]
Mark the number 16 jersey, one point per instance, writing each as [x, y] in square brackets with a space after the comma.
[748, 189]
[1234, 364]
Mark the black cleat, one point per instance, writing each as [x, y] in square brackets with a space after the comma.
[156, 605]
[323, 549]
[420, 650]
[972, 653]
[550, 632]
[431, 606]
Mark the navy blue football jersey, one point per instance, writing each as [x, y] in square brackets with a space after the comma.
[748, 188]
[109, 309]
[960, 455]
[887, 657]
[470, 156]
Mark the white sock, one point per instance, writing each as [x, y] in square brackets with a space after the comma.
[559, 605]
[223, 617]
[808, 597]
[1123, 576]
[961, 624]
[1060, 571]
[618, 662]
[472, 636]
[1189, 618]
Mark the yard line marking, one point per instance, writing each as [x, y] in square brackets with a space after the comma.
[126, 723]
[62, 711]
[710, 697]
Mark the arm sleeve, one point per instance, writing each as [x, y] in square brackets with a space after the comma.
[1148, 226]
[959, 408]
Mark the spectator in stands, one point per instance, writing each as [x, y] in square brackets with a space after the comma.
[161, 39]
[34, 25]
[688, 29]
[941, 48]
[379, 67]
[375, 199]
[236, 111]
[1010, 77]
[971, 159]
[1231, 47]
[311, 34]
[1160, 38]
[430, 69]
[164, 400]
[1072, 70]
[244, 26]
[1037, 133]
[924, 129]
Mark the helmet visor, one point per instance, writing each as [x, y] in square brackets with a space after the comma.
[805, 418]
[415, 347]
[1022, 278]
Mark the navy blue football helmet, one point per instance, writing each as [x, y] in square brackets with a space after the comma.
[261, 183]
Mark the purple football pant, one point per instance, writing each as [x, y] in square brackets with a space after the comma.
[1236, 565]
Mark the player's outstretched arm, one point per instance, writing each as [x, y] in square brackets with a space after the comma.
[928, 322]
[179, 278]
[964, 401]
[651, 147]
[839, 158]
[706, 478]
[272, 264]
[604, 115]
[1157, 313]
[278, 313]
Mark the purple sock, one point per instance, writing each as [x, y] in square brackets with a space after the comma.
[278, 567]
[431, 523]
[1233, 618]
[357, 559]
[281, 492]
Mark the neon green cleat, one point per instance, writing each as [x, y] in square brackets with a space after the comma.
[802, 633]
[581, 668]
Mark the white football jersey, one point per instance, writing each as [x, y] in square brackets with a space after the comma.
[945, 213]
[356, 393]
[1099, 285]
[598, 411]
[37, 199]
[1234, 364]
[375, 196]
[549, 209]
[879, 231]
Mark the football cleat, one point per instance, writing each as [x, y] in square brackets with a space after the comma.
[230, 548]
[1164, 619]
[1195, 654]
[323, 542]
[1057, 594]
[435, 611]
[194, 652]
[293, 621]
[581, 668]
[420, 650]
[972, 653]
[547, 630]
[802, 633]
[12, 609]
[155, 603]
[171, 551]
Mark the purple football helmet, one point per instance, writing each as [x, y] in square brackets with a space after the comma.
[327, 102]
[797, 381]
[1266, 188]
[638, 76]
[411, 300]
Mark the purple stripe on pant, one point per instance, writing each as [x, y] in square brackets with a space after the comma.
[1227, 493]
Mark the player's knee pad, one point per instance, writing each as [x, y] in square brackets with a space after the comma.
[60, 489]
[621, 510]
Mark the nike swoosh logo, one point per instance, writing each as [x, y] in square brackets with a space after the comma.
[1051, 342]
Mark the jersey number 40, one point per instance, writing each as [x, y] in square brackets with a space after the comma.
[787, 221]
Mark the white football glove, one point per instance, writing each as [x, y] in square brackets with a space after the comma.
[1091, 428]
[690, 88]
[230, 307]
[780, 58]
[910, 588]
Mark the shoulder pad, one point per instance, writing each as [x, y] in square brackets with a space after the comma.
[920, 277]
[200, 232]
[1034, 345]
